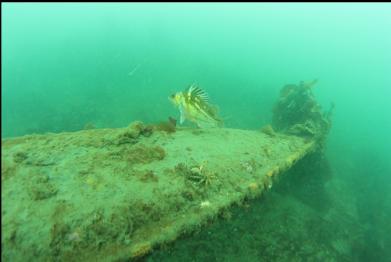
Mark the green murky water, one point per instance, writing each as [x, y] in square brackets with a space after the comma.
[65, 66]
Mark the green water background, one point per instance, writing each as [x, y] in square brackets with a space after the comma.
[66, 65]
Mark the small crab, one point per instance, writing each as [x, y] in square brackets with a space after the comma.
[199, 175]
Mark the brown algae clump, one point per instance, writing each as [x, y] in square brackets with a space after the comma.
[41, 187]
[20, 157]
[268, 130]
[148, 175]
[142, 154]
[8, 168]
[168, 126]
[133, 131]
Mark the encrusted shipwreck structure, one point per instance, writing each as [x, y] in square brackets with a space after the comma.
[116, 194]
[298, 113]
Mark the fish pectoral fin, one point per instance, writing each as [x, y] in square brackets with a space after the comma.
[182, 117]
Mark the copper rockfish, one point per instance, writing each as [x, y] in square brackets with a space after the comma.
[193, 104]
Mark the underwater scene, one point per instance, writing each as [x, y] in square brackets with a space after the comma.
[196, 132]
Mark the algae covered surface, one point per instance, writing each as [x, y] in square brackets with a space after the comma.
[120, 192]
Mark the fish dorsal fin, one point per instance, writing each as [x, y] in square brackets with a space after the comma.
[195, 91]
